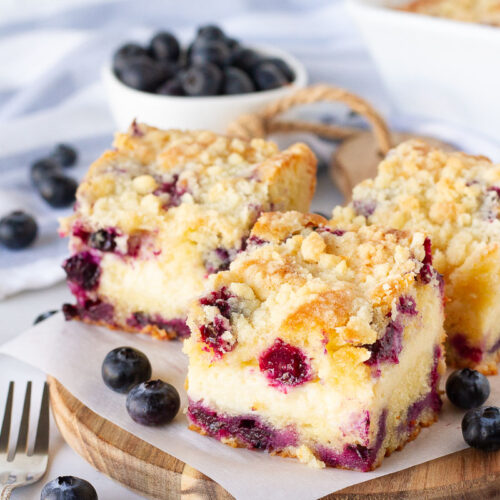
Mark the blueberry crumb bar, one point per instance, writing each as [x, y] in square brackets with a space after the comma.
[319, 343]
[163, 210]
[454, 199]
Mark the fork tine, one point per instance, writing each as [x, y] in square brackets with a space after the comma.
[22, 438]
[5, 433]
[42, 431]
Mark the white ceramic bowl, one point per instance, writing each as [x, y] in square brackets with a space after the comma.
[212, 113]
[435, 68]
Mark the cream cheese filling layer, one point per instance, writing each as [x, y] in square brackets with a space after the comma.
[320, 411]
[163, 285]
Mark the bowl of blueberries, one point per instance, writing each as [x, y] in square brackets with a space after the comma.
[205, 85]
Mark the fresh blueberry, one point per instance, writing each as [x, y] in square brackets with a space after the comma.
[64, 155]
[236, 81]
[245, 59]
[68, 488]
[17, 230]
[123, 55]
[214, 52]
[232, 43]
[268, 76]
[171, 87]
[170, 69]
[43, 168]
[200, 80]
[186, 55]
[45, 315]
[125, 367]
[143, 73]
[103, 239]
[481, 428]
[57, 190]
[83, 269]
[210, 32]
[164, 47]
[153, 403]
[284, 68]
[467, 388]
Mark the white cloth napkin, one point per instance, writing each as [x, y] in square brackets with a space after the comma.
[73, 352]
[50, 91]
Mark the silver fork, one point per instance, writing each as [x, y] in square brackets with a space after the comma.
[22, 469]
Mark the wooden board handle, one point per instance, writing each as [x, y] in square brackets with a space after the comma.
[264, 122]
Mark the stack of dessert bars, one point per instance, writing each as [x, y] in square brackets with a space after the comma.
[315, 339]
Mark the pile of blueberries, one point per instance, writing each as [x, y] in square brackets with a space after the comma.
[48, 177]
[213, 64]
[468, 389]
[18, 229]
[149, 402]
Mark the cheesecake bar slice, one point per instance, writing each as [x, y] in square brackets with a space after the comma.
[318, 343]
[455, 199]
[163, 210]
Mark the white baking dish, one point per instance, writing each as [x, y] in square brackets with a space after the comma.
[435, 68]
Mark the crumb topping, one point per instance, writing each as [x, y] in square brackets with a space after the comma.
[152, 176]
[338, 286]
[454, 198]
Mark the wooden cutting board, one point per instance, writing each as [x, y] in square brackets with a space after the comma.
[468, 474]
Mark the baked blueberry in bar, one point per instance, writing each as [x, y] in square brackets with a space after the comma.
[455, 199]
[163, 210]
[472, 11]
[318, 343]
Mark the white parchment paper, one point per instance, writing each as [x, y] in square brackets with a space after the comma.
[73, 352]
